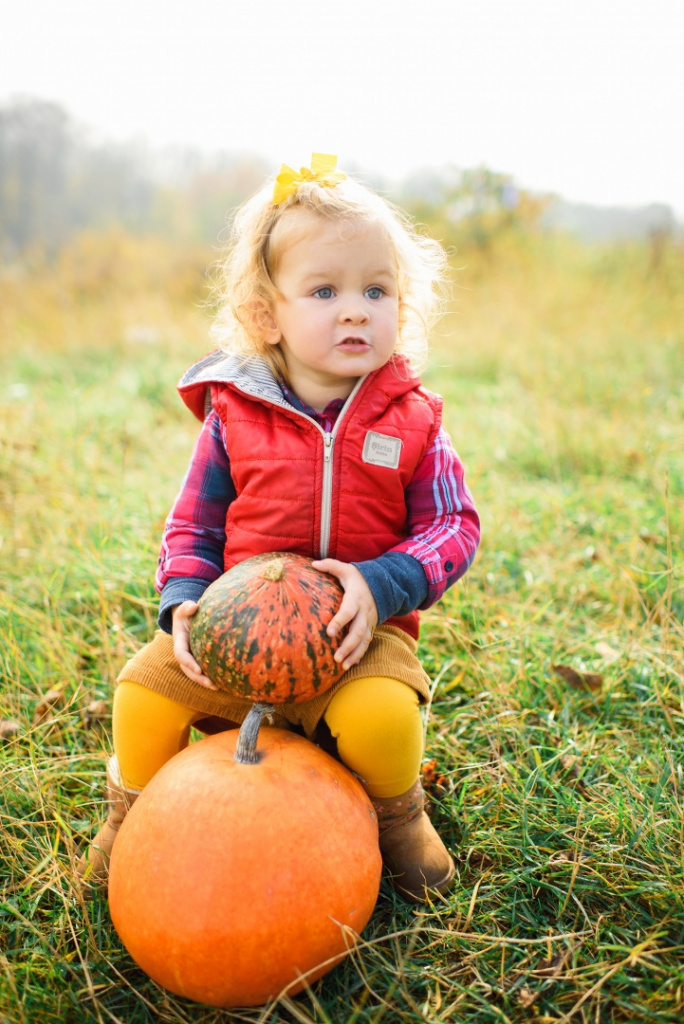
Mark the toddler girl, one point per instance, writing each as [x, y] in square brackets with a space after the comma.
[317, 438]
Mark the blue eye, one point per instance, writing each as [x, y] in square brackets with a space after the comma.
[325, 292]
[375, 292]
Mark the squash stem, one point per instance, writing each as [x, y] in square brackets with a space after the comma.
[273, 571]
[246, 750]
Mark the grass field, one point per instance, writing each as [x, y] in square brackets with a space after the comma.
[558, 714]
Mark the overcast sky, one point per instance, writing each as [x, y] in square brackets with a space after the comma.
[581, 97]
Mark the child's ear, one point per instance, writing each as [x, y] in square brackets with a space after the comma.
[264, 322]
[272, 333]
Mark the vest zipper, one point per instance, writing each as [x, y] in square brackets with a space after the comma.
[327, 484]
[326, 493]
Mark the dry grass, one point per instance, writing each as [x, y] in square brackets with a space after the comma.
[561, 368]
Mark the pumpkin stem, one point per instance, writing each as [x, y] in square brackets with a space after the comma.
[273, 571]
[246, 750]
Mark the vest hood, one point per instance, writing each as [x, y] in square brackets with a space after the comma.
[253, 376]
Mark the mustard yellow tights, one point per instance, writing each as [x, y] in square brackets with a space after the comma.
[375, 721]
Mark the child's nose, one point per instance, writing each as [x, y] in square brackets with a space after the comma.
[354, 312]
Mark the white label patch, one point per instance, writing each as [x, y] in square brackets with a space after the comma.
[381, 450]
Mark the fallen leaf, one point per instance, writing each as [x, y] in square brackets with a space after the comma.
[478, 860]
[434, 783]
[553, 967]
[526, 997]
[571, 763]
[43, 709]
[579, 680]
[567, 857]
[97, 711]
[8, 729]
[563, 857]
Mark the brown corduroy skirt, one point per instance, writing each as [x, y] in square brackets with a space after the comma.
[391, 654]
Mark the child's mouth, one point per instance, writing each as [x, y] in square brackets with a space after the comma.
[353, 344]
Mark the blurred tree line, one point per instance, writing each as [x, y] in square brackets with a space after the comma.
[56, 181]
[471, 208]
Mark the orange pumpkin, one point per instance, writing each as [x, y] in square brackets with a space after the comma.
[260, 630]
[231, 882]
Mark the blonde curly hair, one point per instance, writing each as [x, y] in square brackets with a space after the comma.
[245, 289]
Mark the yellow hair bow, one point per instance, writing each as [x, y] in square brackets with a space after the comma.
[322, 171]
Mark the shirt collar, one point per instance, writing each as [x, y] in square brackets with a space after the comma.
[325, 419]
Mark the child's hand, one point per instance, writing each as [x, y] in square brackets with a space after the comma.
[181, 616]
[357, 610]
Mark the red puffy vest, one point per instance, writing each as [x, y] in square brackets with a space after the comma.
[339, 495]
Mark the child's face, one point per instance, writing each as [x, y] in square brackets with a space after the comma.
[337, 312]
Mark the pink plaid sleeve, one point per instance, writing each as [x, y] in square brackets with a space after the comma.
[444, 527]
[194, 534]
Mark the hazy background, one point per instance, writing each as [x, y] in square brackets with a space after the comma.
[580, 98]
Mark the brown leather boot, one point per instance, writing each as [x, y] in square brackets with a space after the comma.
[417, 859]
[93, 866]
